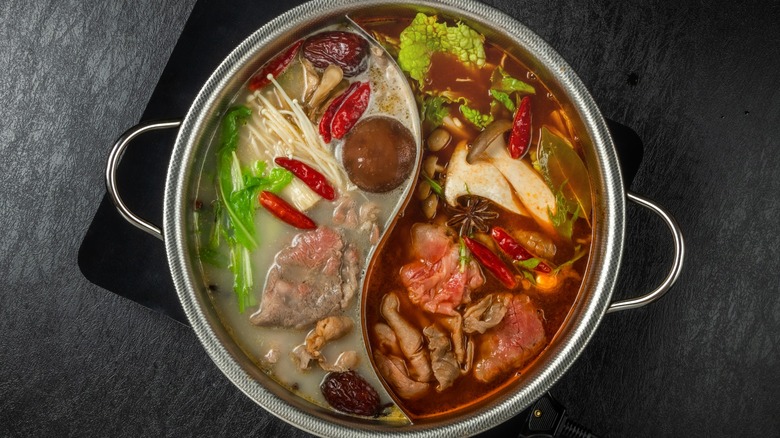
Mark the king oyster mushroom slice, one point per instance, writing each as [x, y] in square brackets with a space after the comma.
[478, 179]
[536, 196]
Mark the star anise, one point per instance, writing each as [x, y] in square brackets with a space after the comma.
[471, 214]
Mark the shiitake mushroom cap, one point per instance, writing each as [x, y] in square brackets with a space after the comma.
[378, 154]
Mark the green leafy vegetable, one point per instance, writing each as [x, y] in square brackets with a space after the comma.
[564, 218]
[241, 267]
[230, 179]
[502, 81]
[210, 253]
[475, 117]
[504, 99]
[562, 167]
[274, 182]
[435, 186]
[579, 253]
[435, 110]
[425, 36]
[463, 254]
[234, 211]
[529, 264]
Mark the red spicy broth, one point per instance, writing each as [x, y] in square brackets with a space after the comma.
[395, 251]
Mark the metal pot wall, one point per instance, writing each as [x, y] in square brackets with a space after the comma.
[200, 123]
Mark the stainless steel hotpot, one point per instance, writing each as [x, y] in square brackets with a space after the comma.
[202, 119]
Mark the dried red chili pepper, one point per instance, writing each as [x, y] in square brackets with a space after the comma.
[350, 111]
[286, 212]
[274, 67]
[315, 180]
[491, 262]
[520, 138]
[514, 249]
[327, 116]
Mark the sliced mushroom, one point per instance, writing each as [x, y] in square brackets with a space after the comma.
[311, 80]
[330, 78]
[528, 185]
[299, 80]
[487, 137]
[478, 179]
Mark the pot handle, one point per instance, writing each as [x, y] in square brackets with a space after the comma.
[677, 262]
[115, 157]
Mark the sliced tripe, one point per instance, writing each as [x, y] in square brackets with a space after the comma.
[479, 179]
[528, 185]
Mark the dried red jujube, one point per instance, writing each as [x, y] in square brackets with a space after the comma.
[346, 49]
[348, 392]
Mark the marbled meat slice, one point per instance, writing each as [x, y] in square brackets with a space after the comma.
[509, 345]
[307, 282]
[435, 280]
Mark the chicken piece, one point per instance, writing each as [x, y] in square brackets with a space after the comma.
[368, 213]
[328, 329]
[409, 339]
[393, 369]
[301, 357]
[509, 345]
[388, 342]
[348, 360]
[487, 313]
[445, 366]
[272, 356]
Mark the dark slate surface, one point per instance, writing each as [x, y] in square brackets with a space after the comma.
[696, 80]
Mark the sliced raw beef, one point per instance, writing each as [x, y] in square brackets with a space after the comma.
[517, 339]
[435, 279]
[313, 278]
